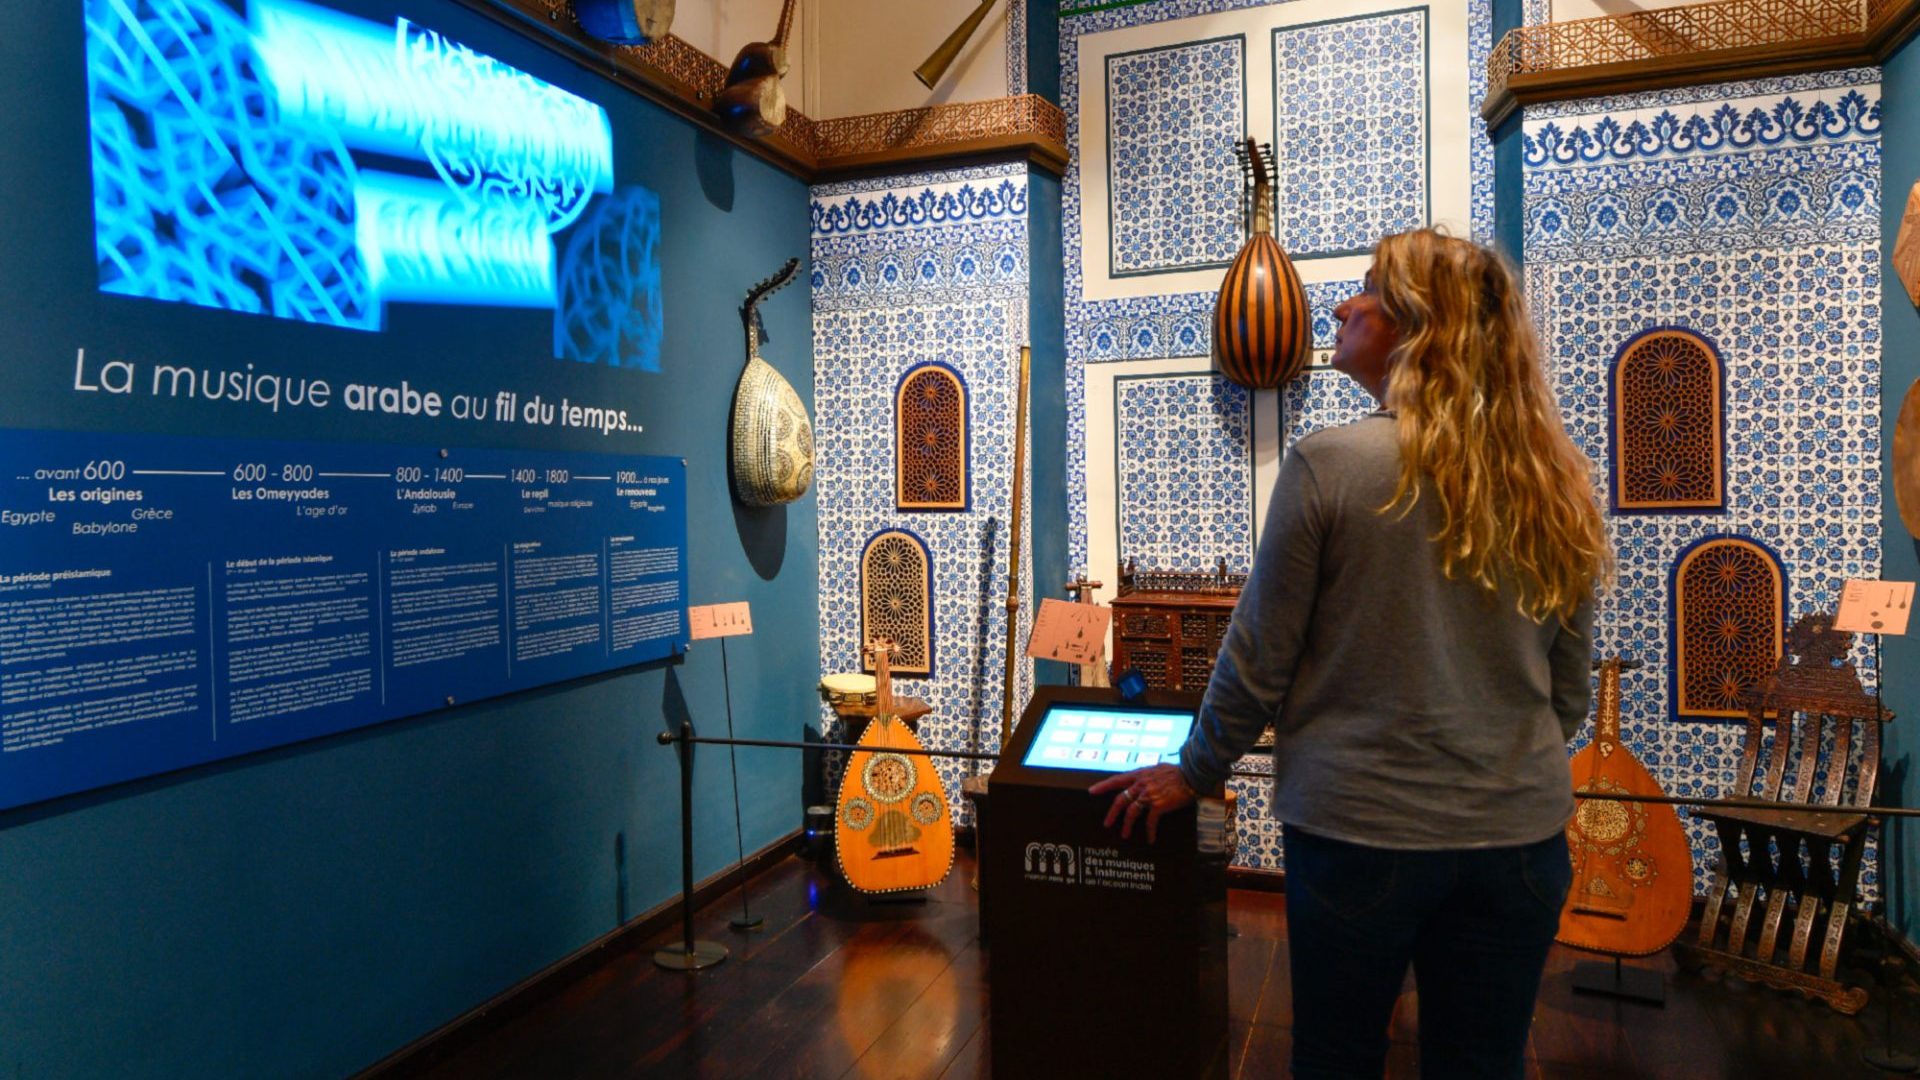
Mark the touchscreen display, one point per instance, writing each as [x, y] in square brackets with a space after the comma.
[1108, 738]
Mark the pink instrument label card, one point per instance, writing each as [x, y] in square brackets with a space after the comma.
[1875, 607]
[719, 620]
[1068, 632]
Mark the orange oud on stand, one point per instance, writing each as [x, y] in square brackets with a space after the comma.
[1632, 866]
[892, 831]
[1261, 322]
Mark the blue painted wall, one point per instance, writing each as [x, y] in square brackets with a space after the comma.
[1046, 319]
[306, 911]
[1900, 365]
[1043, 50]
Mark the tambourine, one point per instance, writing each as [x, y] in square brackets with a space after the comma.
[850, 689]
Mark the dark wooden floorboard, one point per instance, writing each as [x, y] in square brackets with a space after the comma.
[838, 985]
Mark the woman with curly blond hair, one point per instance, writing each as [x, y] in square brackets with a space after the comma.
[1416, 629]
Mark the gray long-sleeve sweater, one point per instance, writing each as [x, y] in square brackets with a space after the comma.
[1409, 710]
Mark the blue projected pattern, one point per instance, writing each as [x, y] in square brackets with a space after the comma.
[1108, 739]
[610, 308]
[225, 172]
[200, 195]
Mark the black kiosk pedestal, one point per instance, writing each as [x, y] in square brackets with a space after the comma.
[1106, 957]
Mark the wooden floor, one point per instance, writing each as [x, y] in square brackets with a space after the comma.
[838, 986]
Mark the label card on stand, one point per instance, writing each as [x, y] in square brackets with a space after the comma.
[719, 620]
[1875, 607]
[1071, 633]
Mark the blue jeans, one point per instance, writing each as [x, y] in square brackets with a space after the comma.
[1475, 925]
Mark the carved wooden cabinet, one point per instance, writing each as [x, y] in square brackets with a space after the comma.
[1169, 625]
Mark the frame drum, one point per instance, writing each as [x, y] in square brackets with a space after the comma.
[849, 689]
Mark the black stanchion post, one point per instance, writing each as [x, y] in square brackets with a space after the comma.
[746, 920]
[690, 955]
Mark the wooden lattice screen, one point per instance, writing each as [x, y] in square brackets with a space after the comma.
[896, 585]
[930, 440]
[1670, 31]
[1669, 436]
[1728, 599]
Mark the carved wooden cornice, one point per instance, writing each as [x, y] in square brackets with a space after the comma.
[923, 136]
[685, 80]
[1690, 45]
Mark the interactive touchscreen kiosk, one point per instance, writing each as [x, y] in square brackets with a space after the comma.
[1106, 957]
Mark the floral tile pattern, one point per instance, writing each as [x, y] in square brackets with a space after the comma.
[1344, 185]
[910, 269]
[1748, 213]
[1184, 467]
[1173, 117]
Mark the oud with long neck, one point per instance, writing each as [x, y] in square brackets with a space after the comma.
[1633, 868]
[879, 652]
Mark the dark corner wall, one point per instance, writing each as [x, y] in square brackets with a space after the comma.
[1047, 330]
[306, 911]
[1900, 365]
[1509, 197]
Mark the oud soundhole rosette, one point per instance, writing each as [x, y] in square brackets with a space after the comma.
[889, 777]
[1603, 822]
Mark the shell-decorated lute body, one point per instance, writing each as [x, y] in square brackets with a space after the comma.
[772, 438]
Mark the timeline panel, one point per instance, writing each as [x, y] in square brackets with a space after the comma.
[166, 601]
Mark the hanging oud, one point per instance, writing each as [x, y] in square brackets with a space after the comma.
[753, 102]
[772, 439]
[892, 832]
[1261, 322]
[1632, 865]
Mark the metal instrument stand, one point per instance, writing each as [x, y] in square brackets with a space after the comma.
[689, 955]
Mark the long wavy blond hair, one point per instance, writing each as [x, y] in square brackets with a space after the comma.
[1479, 429]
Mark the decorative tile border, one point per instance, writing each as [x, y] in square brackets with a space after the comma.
[1781, 86]
[1709, 128]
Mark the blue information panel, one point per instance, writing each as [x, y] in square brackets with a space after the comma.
[166, 601]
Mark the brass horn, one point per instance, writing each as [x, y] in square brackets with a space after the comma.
[936, 65]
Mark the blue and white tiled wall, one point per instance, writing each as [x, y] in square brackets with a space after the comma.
[910, 269]
[1167, 462]
[1749, 213]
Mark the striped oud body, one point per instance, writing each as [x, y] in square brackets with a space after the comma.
[891, 832]
[1261, 323]
[1632, 865]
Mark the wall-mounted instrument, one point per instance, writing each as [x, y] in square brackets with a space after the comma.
[772, 439]
[1632, 865]
[1906, 459]
[753, 102]
[935, 65]
[892, 831]
[625, 22]
[1906, 246]
[1261, 322]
